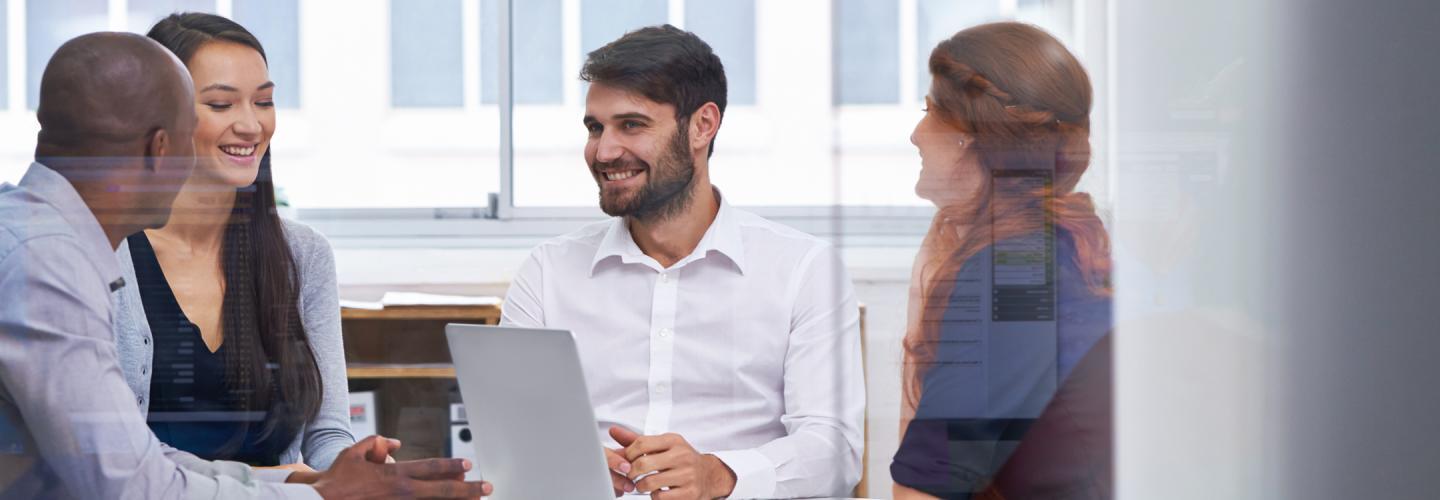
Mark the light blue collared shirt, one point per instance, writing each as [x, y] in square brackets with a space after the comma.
[69, 425]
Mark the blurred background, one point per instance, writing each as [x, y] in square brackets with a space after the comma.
[1266, 169]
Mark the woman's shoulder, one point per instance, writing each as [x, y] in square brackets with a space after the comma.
[305, 242]
[314, 259]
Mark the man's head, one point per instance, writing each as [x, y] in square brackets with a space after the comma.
[117, 113]
[656, 99]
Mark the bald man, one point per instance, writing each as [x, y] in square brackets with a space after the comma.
[116, 116]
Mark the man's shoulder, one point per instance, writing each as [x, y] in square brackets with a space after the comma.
[773, 236]
[26, 218]
[587, 237]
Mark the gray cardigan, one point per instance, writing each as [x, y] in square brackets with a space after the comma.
[329, 433]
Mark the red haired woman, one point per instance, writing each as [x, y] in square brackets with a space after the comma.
[1011, 287]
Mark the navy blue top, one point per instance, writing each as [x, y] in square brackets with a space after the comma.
[993, 372]
[192, 408]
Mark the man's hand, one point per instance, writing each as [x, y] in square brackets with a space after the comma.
[615, 459]
[355, 474]
[382, 450]
[668, 461]
[379, 452]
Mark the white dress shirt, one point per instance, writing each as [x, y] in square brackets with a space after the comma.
[749, 347]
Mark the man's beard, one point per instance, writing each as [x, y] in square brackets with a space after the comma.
[666, 192]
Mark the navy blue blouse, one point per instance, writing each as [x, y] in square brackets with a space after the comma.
[1003, 351]
[192, 408]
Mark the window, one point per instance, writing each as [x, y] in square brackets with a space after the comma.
[867, 68]
[48, 25]
[391, 117]
[426, 63]
[604, 20]
[401, 99]
[537, 46]
[729, 28]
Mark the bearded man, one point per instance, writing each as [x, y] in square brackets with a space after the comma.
[721, 350]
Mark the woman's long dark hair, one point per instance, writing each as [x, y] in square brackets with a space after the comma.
[269, 363]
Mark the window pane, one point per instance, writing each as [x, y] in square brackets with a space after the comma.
[536, 48]
[371, 134]
[729, 28]
[276, 23]
[145, 13]
[941, 19]
[867, 58]
[48, 25]
[425, 54]
[602, 21]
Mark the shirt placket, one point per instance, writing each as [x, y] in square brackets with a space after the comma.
[662, 352]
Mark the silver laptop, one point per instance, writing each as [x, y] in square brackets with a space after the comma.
[534, 430]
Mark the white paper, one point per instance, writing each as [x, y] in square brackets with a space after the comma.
[429, 299]
[360, 304]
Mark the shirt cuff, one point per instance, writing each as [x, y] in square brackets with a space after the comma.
[271, 475]
[754, 473]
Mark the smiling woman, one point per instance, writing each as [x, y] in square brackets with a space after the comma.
[237, 112]
[227, 273]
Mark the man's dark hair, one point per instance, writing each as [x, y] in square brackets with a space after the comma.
[665, 64]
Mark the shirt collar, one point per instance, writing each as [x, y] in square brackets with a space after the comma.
[55, 190]
[723, 236]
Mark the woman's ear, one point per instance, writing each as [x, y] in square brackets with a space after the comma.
[965, 140]
[704, 124]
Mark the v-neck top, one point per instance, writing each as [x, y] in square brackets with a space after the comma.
[192, 407]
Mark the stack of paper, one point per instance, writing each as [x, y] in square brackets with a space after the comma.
[416, 299]
[403, 299]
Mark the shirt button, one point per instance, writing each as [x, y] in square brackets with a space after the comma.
[661, 388]
[147, 340]
[144, 370]
[140, 399]
[665, 333]
[664, 277]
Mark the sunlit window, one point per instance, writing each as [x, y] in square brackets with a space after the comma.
[397, 104]
[426, 65]
[48, 25]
